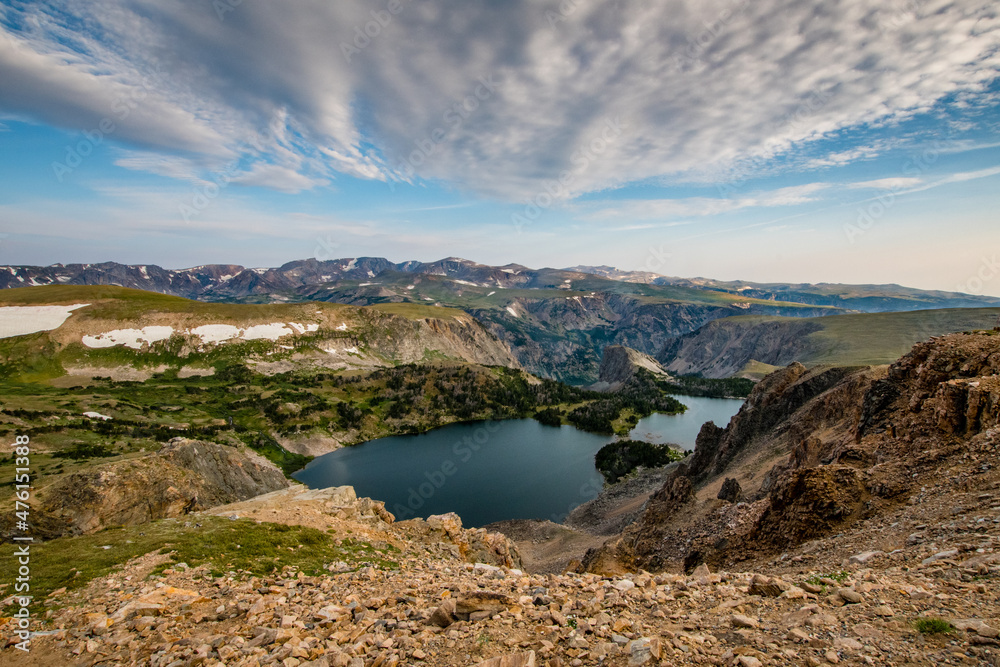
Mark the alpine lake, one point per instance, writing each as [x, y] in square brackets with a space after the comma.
[493, 471]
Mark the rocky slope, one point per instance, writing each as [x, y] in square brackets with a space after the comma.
[816, 452]
[183, 477]
[821, 605]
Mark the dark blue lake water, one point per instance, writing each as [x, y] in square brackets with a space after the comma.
[491, 471]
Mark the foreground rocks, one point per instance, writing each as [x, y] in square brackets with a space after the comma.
[820, 604]
[447, 612]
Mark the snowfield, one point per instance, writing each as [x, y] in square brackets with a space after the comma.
[268, 331]
[209, 333]
[21, 320]
[134, 338]
[216, 333]
[346, 350]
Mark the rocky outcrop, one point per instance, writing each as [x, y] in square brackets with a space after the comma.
[844, 446]
[620, 364]
[771, 403]
[474, 545]
[458, 337]
[183, 477]
[730, 491]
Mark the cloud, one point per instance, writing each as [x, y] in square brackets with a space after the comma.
[898, 183]
[695, 207]
[277, 177]
[495, 97]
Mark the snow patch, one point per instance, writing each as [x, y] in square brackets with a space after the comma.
[347, 350]
[304, 328]
[216, 333]
[145, 274]
[465, 282]
[351, 265]
[96, 415]
[512, 311]
[342, 327]
[492, 293]
[410, 287]
[272, 331]
[133, 338]
[22, 320]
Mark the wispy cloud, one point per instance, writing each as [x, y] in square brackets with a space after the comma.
[270, 84]
[897, 183]
[696, 207]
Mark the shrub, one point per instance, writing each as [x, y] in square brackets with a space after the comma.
[933, 626]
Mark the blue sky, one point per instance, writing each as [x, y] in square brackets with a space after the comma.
[773, 141]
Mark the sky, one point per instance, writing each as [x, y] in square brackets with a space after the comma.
[773, 140]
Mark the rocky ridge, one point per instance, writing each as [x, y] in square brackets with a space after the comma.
[815, 452]
[184, 476]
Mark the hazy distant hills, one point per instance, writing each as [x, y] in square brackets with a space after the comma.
[860, 298]
[556, 321]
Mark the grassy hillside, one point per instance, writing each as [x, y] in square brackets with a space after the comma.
[751, 346]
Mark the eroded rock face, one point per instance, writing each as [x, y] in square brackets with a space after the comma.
[184, 476]
[619, 365]
[773, 401]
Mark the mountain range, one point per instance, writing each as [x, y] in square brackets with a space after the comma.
[555, 321]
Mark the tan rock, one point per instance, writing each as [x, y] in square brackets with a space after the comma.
[850, 596]
[512, 660]
[770, 587]
[480, 601]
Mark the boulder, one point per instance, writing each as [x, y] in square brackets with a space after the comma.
[730, 491]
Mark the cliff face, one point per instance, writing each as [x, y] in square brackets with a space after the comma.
[184, 476]
[460, 337]
[838, 446]
[563, 338]
[722, 349]
[619, 365]
[766, 413]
